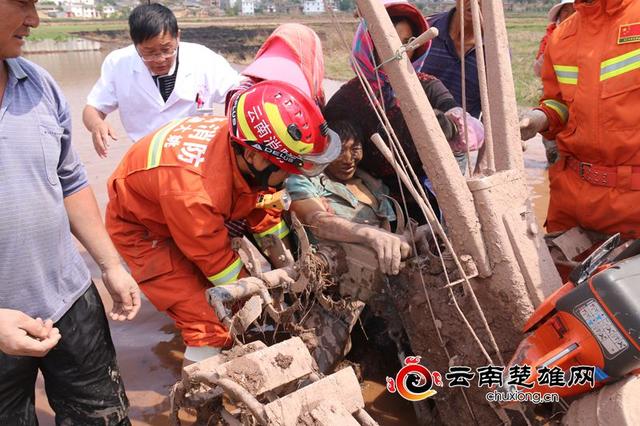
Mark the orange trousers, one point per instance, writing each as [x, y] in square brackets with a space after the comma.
[174, 284]
[576, 202]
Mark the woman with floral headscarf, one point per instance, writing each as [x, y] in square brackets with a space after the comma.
[350, 102]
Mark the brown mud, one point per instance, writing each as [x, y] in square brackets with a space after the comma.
[149, 347]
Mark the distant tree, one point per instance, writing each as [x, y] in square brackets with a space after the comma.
[123, 13]
[235, 10]
[346, 5]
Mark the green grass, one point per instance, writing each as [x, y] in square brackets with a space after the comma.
[64, 31]
[525, 32]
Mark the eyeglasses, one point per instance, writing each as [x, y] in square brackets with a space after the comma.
[157, 57]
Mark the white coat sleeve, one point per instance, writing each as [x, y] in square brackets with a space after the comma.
[221, 78]
[103, 94]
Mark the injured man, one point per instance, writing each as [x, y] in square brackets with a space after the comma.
[345, 204]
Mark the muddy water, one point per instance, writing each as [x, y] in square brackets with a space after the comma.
[149, 348]
[535, 163]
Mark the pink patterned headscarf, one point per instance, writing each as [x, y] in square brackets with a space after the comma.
[363, 49]
[306, 48]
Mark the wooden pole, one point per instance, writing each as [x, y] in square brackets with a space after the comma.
[454, 197]
[502, 97]
[484, 91]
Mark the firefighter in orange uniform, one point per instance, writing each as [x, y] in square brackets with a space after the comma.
[174, 190]
[591, 106]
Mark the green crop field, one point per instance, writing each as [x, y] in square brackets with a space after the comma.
[64, 30]
[525, 32]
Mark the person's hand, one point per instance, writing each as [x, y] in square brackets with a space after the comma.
[101, 133]
[21, 335]
[124, 291]
[422, 237]
[280, 276]
[390, 248]
[533, 122]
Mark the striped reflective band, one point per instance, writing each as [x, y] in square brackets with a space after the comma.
[566, 74]
[242, 119]
[228, 274]
[280, 230]
[620, 65]
[560, 108]
[279, 126]
[157, 143]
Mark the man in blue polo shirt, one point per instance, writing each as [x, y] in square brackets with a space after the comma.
[51, 317]
[444, 60]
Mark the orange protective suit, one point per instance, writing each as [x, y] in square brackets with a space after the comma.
[168, 202]
[591, 78]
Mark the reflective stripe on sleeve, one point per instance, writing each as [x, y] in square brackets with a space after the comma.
[228, 274]
[281, 230]
[566, 74]
[560, 108]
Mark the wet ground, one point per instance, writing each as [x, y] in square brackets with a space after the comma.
[149, 348]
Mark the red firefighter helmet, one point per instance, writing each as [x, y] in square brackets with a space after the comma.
[286, 126]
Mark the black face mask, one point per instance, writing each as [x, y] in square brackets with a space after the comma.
[261, 177]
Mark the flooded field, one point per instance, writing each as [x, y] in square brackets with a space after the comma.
[149, 348]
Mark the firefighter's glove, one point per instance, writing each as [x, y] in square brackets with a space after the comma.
[533, 122]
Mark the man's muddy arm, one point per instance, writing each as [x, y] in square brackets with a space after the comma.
[389, 247]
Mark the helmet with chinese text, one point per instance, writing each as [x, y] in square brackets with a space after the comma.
[285, 125]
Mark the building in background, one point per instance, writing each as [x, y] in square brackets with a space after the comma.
[247, 7]
[81, 9]
[108, 10]
[312, 7]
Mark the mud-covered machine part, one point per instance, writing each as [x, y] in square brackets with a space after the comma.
[281, 384]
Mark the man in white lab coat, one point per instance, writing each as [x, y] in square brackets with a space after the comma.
[155, 80]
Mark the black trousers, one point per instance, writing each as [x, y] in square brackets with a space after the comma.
[82, 380]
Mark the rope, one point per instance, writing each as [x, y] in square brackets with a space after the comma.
[430, 216]
[389, 130]
[463, 75]
[484, 92]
